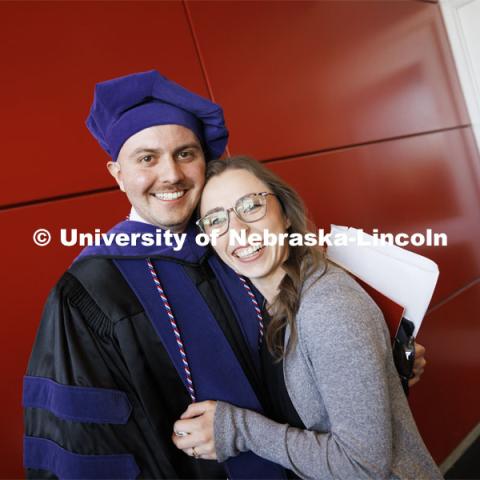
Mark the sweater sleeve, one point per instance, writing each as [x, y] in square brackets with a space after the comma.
[344, 342]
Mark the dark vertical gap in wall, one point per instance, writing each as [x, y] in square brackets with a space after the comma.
[197, 49]
[199, 54]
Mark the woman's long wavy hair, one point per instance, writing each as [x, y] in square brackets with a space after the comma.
[301, 261]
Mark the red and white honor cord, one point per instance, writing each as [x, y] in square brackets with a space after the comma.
[258, 311]
[176, 331]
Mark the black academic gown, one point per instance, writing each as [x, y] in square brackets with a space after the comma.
[94, 332]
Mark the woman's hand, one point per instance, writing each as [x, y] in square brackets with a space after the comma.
[193, 433]
[418, 365]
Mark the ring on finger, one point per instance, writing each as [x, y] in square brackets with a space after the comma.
[194, 453]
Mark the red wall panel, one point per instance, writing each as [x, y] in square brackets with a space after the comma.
[293, 77]
[317, 75]
[445, 402]
[406, 185]
[29, 273]
[52, 54]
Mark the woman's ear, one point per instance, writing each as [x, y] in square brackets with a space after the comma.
[288, 223]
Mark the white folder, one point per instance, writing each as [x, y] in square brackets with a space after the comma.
[405, 277]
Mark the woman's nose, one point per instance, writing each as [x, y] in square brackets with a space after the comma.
[237, 224]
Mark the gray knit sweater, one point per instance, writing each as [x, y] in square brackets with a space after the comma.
[344, 386]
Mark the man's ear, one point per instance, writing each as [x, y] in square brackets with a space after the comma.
[114, 169]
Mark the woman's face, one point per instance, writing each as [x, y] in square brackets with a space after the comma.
[262, 262]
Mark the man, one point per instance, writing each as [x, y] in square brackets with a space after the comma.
[131, 335]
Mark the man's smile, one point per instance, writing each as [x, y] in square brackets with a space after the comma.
[169, 196]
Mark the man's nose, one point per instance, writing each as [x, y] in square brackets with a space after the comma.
[169, 171]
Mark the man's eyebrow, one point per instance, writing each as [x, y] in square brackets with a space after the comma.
[144, 150]
[155, 151]
[186, 146]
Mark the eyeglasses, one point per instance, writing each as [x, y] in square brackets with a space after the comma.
[249, 208]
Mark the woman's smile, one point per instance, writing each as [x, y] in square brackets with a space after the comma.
[249, 253]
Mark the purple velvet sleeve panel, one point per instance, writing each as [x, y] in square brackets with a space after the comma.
[75, 403]
[43, 454]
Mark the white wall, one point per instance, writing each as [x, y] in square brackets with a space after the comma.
[462, 20]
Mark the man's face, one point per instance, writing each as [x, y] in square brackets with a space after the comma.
[162, 171]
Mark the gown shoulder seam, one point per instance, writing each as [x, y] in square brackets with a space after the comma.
[96, 319]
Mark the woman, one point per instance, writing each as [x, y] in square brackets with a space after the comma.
[341, 407]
